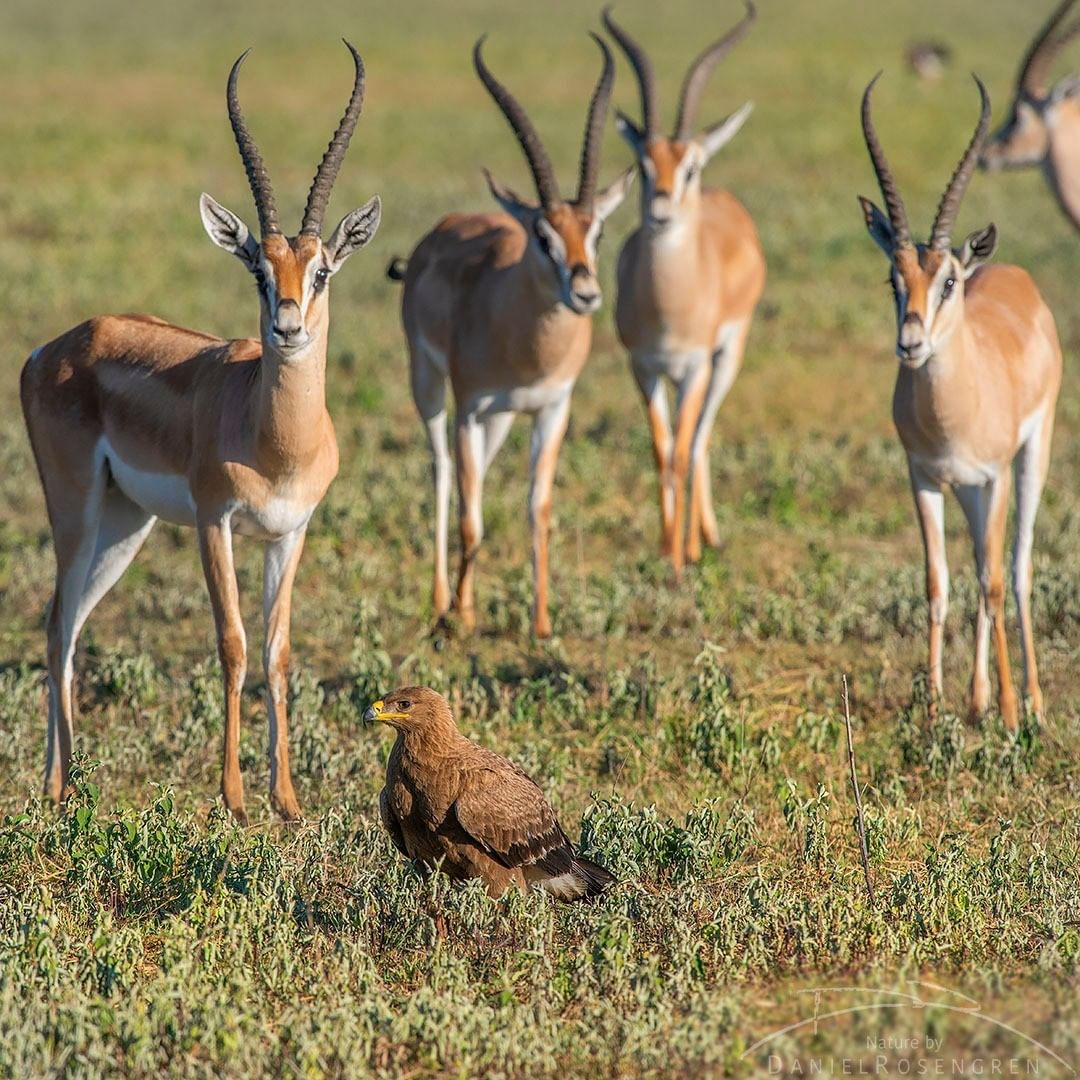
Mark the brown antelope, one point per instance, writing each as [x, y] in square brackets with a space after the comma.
[1043, 127]
[132, 419]
[980, 368]
[501, 304]
[689, 278]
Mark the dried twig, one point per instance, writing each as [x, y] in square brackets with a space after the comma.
[858, 797]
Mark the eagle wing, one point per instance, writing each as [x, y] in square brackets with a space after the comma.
[507, 816]
[391, 823]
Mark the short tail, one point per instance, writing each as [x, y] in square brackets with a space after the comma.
[395, 271]
[584, 880]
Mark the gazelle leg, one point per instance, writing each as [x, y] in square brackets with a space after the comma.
[726, 362]
[215, 547]
[930, 508]
[994, 588]
[429, 394]
[973, 500]
[279, 570]
[652, 390]
[549, 428]
[688, 405]
[470, 476]
[1030, 469]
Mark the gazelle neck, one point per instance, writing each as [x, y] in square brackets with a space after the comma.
[1062, 164]
[290, 424]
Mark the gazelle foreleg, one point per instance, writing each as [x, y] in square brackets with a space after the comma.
[930, 509]
[726, 362]
[689, 401]
[549, 428]
[215, 548]
[1030, 467]
[279, 571]
[469, 434]
[655, 395]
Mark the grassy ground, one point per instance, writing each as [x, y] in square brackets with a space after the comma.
[691, 733]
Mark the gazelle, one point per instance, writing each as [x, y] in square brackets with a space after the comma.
[1043, 127]
[501, 304]
[132, 419]
[980, 369]
[689, 278]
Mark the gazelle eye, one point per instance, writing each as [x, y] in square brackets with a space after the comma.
[322, 276]
[947, 288]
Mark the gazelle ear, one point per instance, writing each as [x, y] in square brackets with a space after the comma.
[630, 132]
[608, 200]
[978, 248]
[353, 231]
[508, 199]
[719, 135]
[228, 231]
[878, 226]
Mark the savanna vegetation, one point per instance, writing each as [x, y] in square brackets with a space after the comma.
[692, 734]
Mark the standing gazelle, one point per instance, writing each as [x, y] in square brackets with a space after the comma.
[501, 304]
[980, 368]
[132, 419]
[1043, 127]
[690, 277]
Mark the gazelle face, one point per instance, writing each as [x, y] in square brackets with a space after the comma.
[1022, 140]
[291, 274]
[927, 284]
[564, 241]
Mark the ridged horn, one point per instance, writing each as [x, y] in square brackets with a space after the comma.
[594, 129]
[322, 185]
[941, 233]
[642, 66]
[699, 71]
[1036, 63]
[894, 204]
[535, 154]
[258, 178]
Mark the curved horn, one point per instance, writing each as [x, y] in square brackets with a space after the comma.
[894, 205]
[642, 68]
[1041, 51]
[258, 178]
[698, 73]
[535, 154]
[950, 201]
[594, 128]
[319, 195]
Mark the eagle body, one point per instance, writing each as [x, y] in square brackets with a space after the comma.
[451, 804]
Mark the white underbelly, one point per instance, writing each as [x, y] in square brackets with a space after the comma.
[674, 364]
[276, 518]
[165, 495]
[955, 470]
[521, 399]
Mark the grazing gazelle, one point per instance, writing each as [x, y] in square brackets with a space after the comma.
[132, 419]
[980, 368]
[501, 305]
[690, 277]
[1043, 127]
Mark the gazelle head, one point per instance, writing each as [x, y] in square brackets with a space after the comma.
[671, 165]
[292, 272]
[562, 237]
[927, 279]
[1024, 138]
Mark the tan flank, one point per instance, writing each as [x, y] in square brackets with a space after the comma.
[501, 305]
[980, 369]
[451, 804]
[690, 277]
[132, 419]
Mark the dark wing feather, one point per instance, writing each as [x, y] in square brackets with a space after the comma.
[391, 824]
[506, 815]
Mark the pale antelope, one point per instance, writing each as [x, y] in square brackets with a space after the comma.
[1043, 127]
[132, 419]
[689, 278]
[980, 369]
[501, 304]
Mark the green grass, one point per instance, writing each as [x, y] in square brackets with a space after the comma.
[691, 734]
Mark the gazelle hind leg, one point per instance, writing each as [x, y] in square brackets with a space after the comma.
[726, 362]
[688, 405]
[549, 429]
[429, 394]
[974, 503]
[655, 396]
[469, 434]
[1029, 468]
